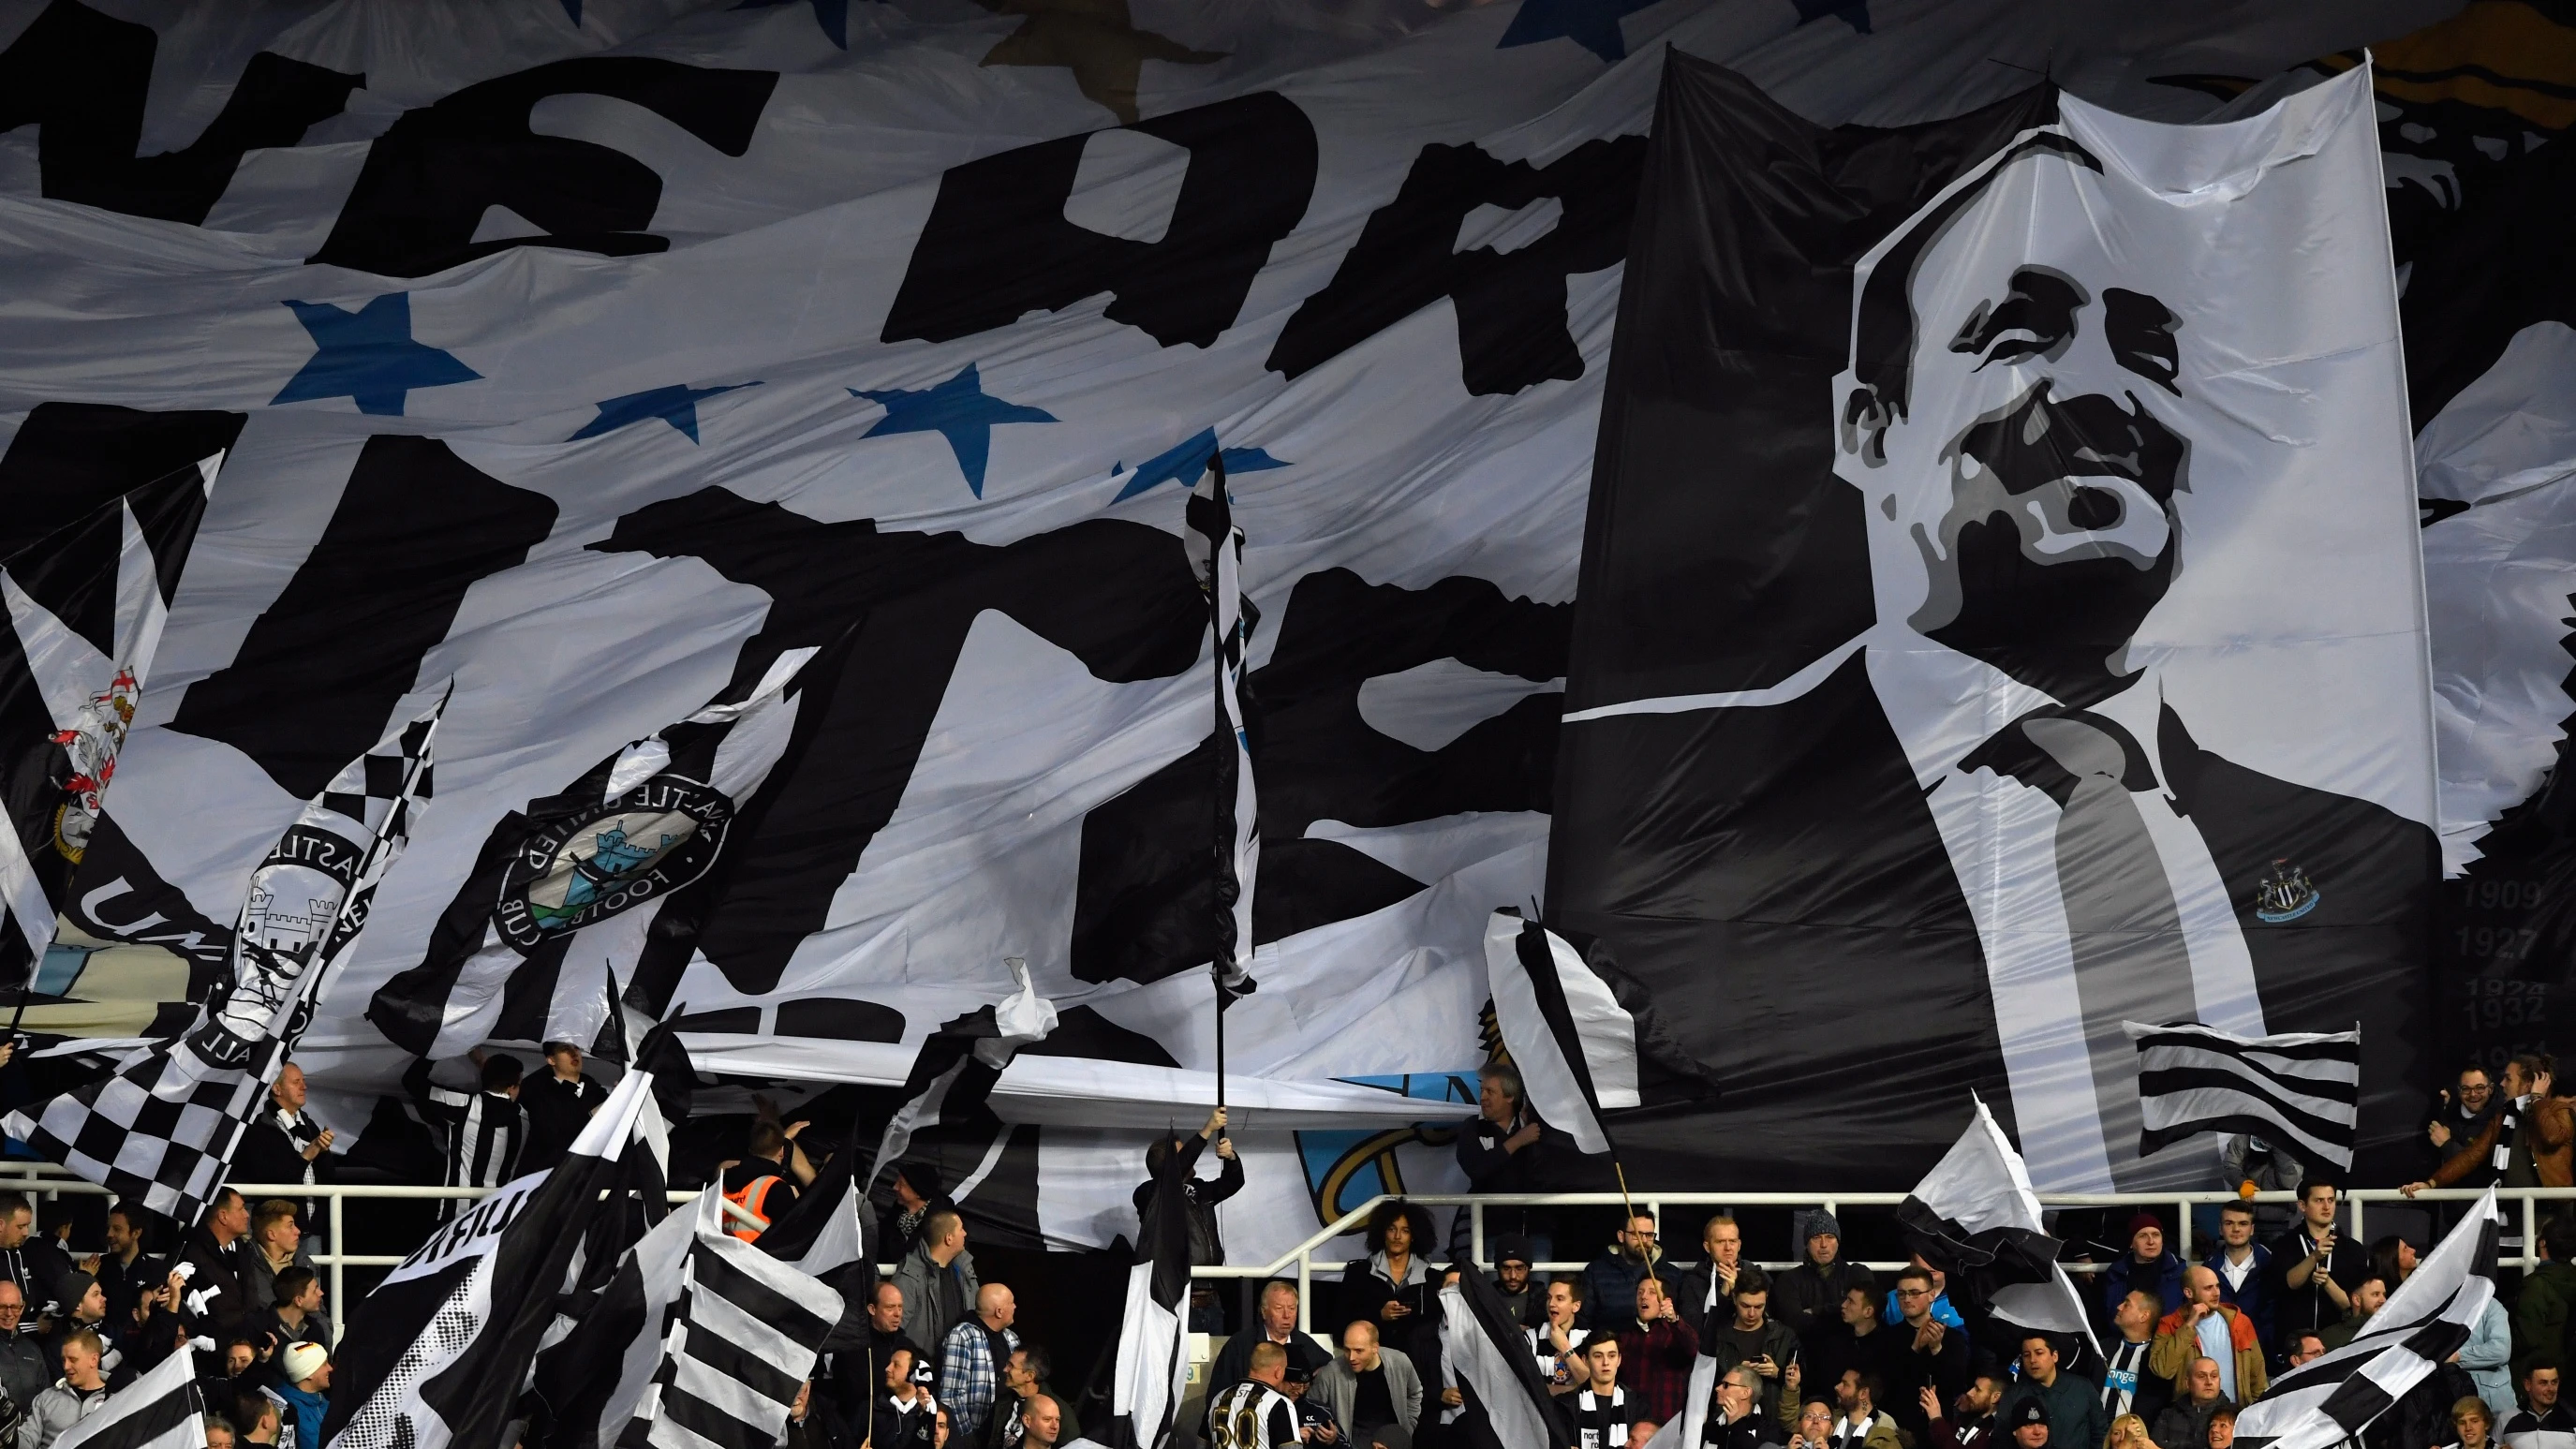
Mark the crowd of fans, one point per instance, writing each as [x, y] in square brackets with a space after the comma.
[1830, 1355]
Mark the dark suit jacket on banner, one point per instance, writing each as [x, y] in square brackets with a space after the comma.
[1770, 875]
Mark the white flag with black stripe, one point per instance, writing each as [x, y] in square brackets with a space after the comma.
[162, 1409]
[86, 604]
[1489, 1351]
[162, 1129]
[1974, 1217]
[1151, 1367]
[1575, 1045]
[440, 1350]
[1216, 551]
[2300, 1089]
[2331, 1399]
[748, 1330]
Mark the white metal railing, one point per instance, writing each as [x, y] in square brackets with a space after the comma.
[2354, 1201]
[47, 1180]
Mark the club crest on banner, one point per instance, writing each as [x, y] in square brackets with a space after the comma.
[595, 863]
[91, 744]
[2285, 894]
[1345, 1169]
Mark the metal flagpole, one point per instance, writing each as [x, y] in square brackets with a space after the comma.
[1223, 825]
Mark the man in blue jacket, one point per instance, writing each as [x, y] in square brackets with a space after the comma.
[2146, 1268]
[2244, 1269]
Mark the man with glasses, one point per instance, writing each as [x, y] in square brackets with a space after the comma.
[1736, 1420]
[2459, 1120]
[1610, 1281]
[1930, 1355]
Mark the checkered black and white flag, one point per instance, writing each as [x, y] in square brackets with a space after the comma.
[744, 1339]
[162, 1128]
[2327, 1401]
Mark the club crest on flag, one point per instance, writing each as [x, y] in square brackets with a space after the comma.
[91, 744]
[2285, 894]
[589, 866]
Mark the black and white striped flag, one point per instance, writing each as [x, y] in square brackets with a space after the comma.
[1216, 549]
[1974, 1217]
[440, 1349]
[2329, 1400]
[86, 604]
[1575, 1045]
[2301, 1089]
[1489, 1351]
[745, 1338]
[161, 1409]
[162, 1128]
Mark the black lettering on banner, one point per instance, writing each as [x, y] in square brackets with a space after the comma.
[997, 245]
[82, 78]
[1145, 901]
[315, 682]
[1512, 327]
[891, 611]
[430, 177]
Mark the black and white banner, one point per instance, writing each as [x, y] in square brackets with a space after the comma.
[162, 1127]
[87, 602]
[439, 1350]
[1975, 1218]
[2327, 1401]
[162, 1409]
[1487, 1349]
[2298, 1089]
[600, 355]
[2056, 652]
[1575, 1045]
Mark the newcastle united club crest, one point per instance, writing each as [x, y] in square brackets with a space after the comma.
[587, 866]
[2284, 894]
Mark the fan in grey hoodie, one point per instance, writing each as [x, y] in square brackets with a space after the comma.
[937, 1278]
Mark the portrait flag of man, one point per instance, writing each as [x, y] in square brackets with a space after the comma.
[2002, 620]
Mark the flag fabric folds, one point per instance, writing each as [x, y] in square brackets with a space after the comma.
[86, 607]
[569, 889]
[2331, 1399]
[1489, 1351]
[745, 1337]
[588, 1381]
[2301, 1089]
[1216, 553]
[1575, 1045]
[162, 1128]
[1975, 1218]
[1153, 1362]
[958, 1064]
[438, 1352]
[162, 1409]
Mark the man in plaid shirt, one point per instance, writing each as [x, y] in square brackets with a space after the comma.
[1656, 1353]
[970, 1360]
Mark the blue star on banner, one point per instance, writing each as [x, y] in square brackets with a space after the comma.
[676, 405]
[832, 15]
[958, 410]
[368, 355]
[1592, 24]
[1188, 462]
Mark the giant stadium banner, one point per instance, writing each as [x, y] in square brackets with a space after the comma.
[624, 361]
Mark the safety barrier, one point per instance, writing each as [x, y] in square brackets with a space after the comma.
[2355, 1202]
[46, 1180]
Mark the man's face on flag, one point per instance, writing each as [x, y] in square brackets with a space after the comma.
[2021, 486]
